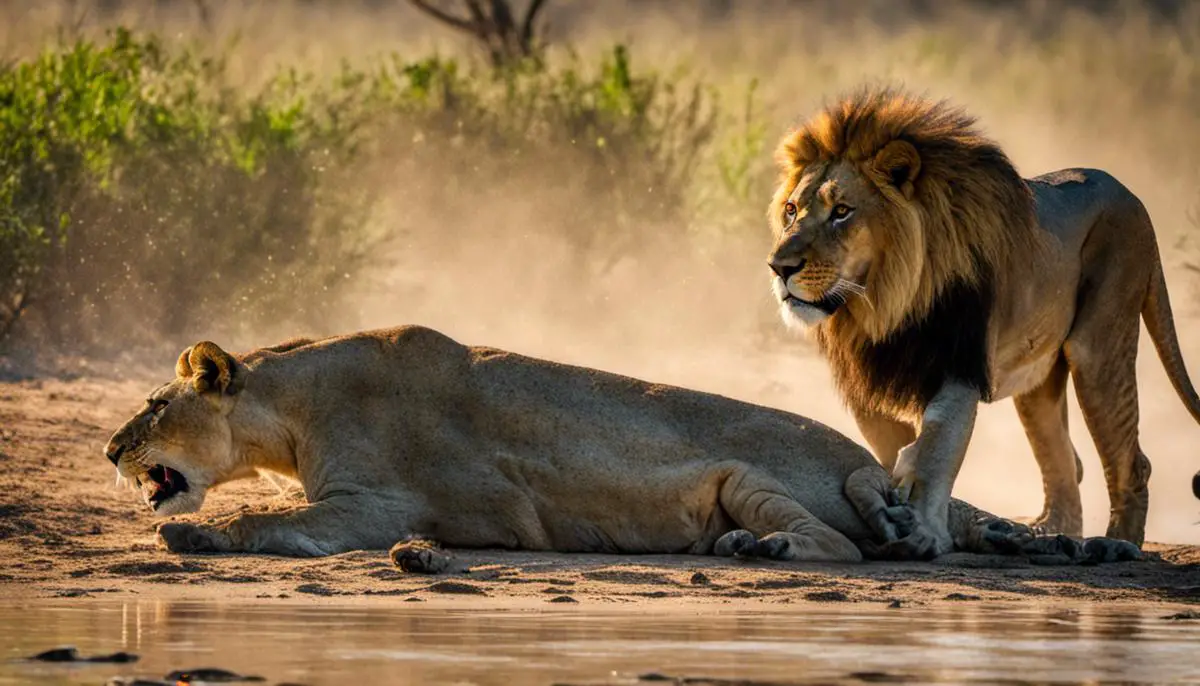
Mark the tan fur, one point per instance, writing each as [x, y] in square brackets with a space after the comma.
[404, 432]
[1050, 276]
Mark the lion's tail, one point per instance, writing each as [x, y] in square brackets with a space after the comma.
[1156, 312]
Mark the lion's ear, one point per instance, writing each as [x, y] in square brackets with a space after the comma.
[210, 369]
[898, 163]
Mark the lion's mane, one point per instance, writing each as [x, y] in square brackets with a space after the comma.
[959, 219]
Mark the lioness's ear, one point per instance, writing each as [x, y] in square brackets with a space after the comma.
[209, 368]
[899, 164]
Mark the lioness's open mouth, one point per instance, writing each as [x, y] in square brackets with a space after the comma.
[166, 483]
[828, 304]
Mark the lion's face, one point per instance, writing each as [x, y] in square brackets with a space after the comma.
[825, 244]
[847, 238]
[180, 443]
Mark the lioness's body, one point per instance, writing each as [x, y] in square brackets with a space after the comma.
[404, 431]
[936, 278]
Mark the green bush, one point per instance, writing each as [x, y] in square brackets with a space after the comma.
[142, 199]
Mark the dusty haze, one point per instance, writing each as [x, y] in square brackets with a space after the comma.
[492, 264]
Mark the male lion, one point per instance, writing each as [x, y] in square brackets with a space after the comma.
[404, 431]
[935, 278]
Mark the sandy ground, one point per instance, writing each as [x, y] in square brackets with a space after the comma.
[67, 531]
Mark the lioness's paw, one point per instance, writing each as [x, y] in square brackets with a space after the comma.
[1102, 549]
[1064, 550]
[420, 556]
[182, 537]
[996, 535]
[921, 544]
[777, 546]
[901, 519]
[736, 542]
[1053, 550]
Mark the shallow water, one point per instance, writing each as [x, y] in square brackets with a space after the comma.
[406, 643]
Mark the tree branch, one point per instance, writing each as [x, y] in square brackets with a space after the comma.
[527, 25]
[442, 16]
[492, 22]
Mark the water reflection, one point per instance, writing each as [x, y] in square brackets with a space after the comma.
[393, 642]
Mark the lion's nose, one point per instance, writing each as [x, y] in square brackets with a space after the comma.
[786, 268]
[113, 452]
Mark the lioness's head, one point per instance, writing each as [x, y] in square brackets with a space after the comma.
[884, 199]
[180, 443]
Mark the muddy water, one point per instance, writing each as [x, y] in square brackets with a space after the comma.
[394, 642]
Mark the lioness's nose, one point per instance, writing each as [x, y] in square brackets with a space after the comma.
[113, 452]
[786, 267]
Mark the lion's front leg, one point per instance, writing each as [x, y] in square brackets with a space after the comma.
[323, 528]
[925, 471]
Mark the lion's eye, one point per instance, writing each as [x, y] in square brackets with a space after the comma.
[789, 209]
[841, 211]
[157, 406]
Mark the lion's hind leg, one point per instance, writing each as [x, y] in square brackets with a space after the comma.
[774, 525]
[1043, 413]
[1102, 356]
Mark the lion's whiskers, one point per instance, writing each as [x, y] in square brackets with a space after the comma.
[854, 289]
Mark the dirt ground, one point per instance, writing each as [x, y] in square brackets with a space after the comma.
[67, 531]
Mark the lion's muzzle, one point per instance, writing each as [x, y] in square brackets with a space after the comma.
[786, 269]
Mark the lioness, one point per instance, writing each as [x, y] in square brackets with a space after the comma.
[404, 431]
[936, 278]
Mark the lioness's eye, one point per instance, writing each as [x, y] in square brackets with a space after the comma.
[157, 406]
[789, 209]
[841, 211]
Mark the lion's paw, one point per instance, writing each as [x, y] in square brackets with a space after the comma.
[420, 556]
[183, 537]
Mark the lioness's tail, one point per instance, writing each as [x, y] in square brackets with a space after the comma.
[1156, 312]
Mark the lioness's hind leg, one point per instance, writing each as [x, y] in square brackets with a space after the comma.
[870, 490]
[1043, 413]
[780, 526]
